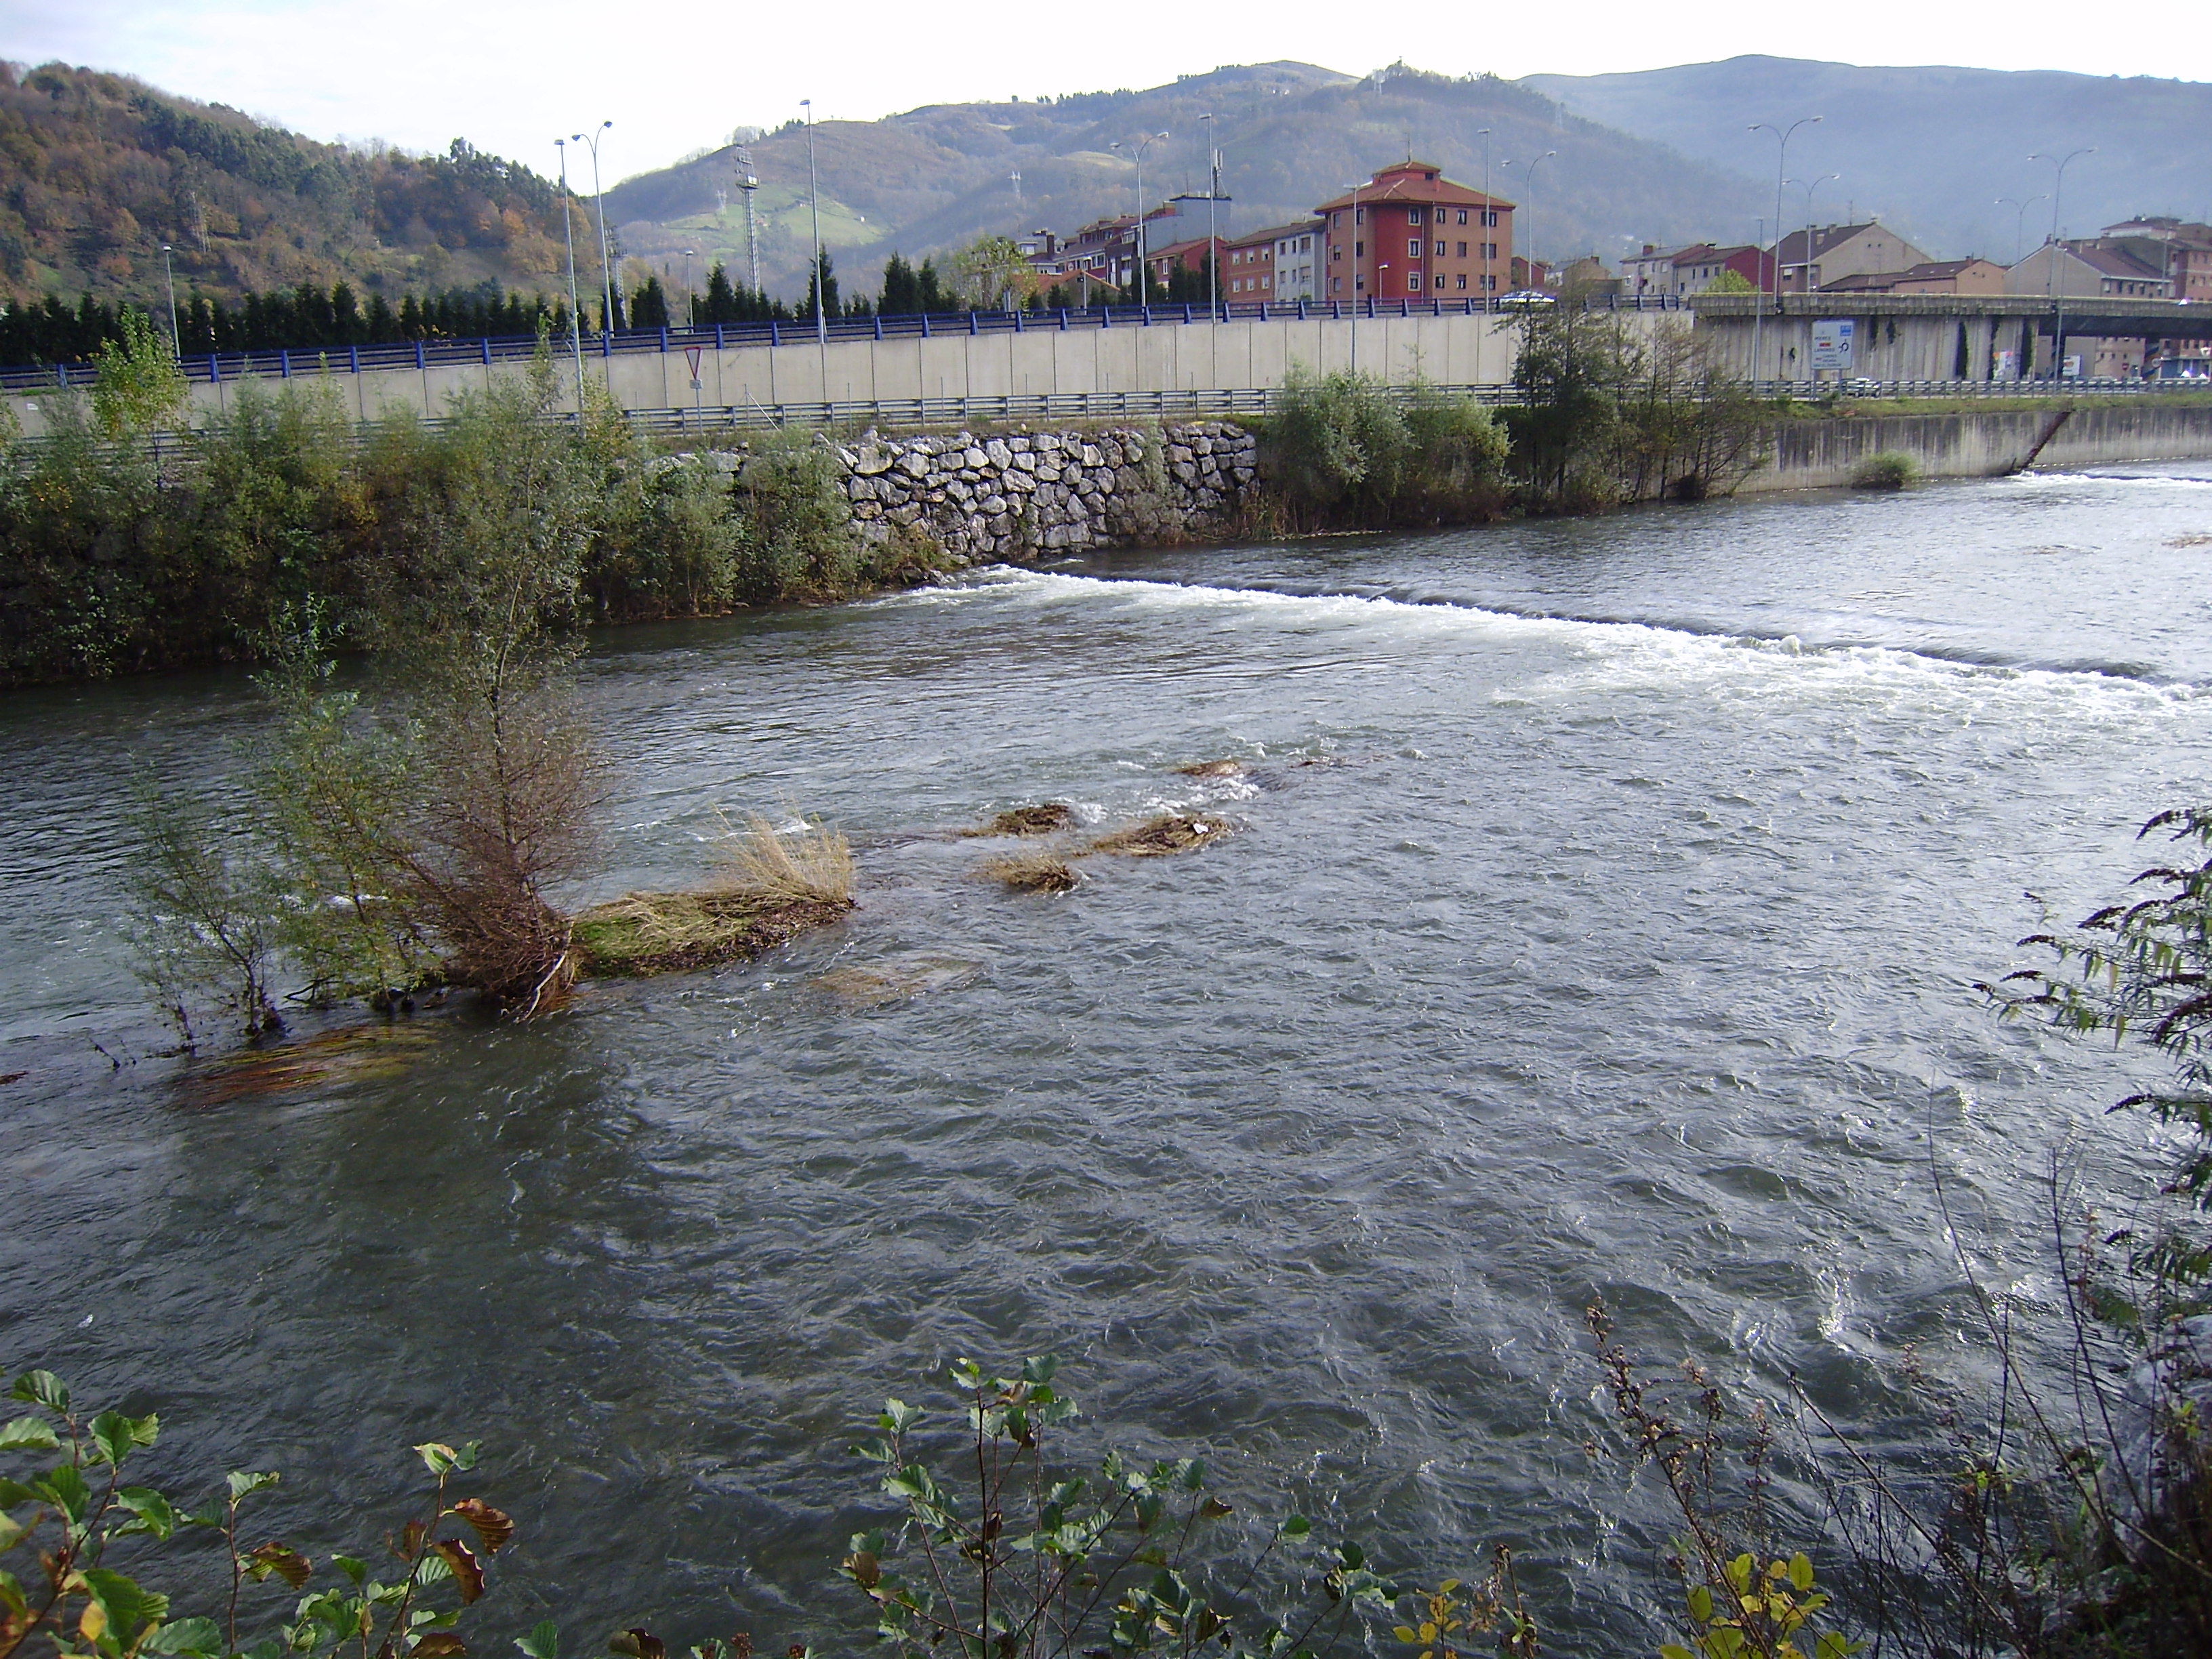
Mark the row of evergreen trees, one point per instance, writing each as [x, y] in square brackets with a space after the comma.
[309, 317]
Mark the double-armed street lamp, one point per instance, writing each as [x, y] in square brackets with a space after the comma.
[2019, 220]
[820, 307]
[599, 198]
[1781, 165]
[568, 237]
[2053, 287]
[1137, 152]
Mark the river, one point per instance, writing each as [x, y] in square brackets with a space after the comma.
[1602, 919]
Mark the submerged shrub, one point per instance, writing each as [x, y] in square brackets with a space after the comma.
[1344, 450]
[99, 1542]
[1886, 470]
[795, 538]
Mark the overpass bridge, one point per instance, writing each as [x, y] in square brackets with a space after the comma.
[1147, 360]
[1929, 337]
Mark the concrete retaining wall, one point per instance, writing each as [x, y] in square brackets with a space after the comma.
[1810, 454]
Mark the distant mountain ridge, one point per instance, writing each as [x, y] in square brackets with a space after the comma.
[1291, 135]
[100, 170]
[1930, 149]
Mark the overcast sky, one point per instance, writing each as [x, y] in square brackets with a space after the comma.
[511, 75]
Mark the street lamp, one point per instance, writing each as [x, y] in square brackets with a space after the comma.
[1143, 275]
[1534, 280]
[1355, 280]
[1808, 187]
[2019, 220]
[569, 235]
[1482, 224]
[821, 305]
[176, 335]
[2057, 298]
[599, 197]
[691, 309]
[1781, 162]
[1212, 195]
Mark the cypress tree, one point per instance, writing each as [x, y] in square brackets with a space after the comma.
[649, 305]
[720, 306]
[929, 293]
[899, 299]
[345, 315]
[381, 327]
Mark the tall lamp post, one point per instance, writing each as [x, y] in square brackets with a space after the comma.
[1533, 281]
[575, 309]
[821, 308]
[748, 182]
[1781, 164]
[1355, 281]
[2058, 296]
[2019, 220]
[1483, 222]
[176, 334]
[690, 310]
[1809, 186]
[599, 197]
[1212, 195]
[1137, 151]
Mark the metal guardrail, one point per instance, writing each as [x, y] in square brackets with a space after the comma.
[204, 368]
[1811, 391]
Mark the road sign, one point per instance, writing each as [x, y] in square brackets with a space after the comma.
[1833, 339]
[691, 355]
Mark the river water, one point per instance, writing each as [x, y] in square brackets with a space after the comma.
[1601, 919]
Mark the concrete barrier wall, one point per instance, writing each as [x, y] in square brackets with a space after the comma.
[1454, 351]
[1813, 454]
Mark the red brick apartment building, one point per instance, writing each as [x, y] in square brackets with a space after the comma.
[1413, 234]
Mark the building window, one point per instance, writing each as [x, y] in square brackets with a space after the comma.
[1413, 248]
[1335, 284]
[1440, 250]
[1490, 217]
[1489, 284]
[1462, 215]
[1462, 250]
[1412, 215]
[1360, 215]
[1461, 282]
[1359, 250]
[1359, 283]
[1336, 253]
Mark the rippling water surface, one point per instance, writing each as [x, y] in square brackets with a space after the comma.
[1601, 919]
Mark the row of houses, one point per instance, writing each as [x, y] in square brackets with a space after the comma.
[1408, 232]
[2144, 259]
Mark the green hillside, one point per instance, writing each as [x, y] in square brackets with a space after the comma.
[1290, 134]
[100, 170]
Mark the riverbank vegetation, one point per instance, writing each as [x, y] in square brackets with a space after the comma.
[124, 547]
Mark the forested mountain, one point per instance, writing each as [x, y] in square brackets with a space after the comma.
[1932, 149]
[97, 171]
[1290, 134]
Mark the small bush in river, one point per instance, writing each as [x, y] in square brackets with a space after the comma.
[1888, 470]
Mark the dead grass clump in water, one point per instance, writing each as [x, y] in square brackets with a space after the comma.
[1170, 832]
[771, 887]
[1040, 872]
[643, 933]
[1043, 819]
[1214, 768]
[813, 865]
[2202, 538]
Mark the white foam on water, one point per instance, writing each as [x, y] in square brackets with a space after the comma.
[1620, 655]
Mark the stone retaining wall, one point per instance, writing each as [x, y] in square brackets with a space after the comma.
[985, 498]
